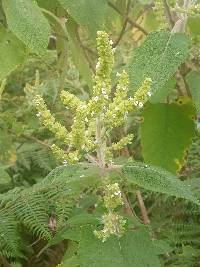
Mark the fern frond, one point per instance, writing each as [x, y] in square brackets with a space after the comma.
[9, 235]
[31, 210]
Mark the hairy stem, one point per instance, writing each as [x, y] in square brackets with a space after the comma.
[100, 146]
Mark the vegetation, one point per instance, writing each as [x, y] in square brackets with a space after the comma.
[99, 133]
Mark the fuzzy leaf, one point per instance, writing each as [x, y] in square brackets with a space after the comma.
[158, 180]
[161, 95]
[193, 81]
[166, 134]
[90, 14]
[26, 21]
[12, 52]
[133, 249]
[158, 58]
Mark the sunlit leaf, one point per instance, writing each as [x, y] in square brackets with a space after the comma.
[166, 134]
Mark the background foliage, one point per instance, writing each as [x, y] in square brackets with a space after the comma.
[48, 211]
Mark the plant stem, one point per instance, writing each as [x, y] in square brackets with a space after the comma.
[142, 207]
[123, 30]
[168, 14]
[133, 23]
[100, 146]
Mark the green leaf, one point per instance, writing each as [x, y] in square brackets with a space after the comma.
[4, 176]
[158, 58]
[133, 249]
[161, 95]
[52, 6]
[71, 262]
[12, 52]
[158, 180]
[193, 24]
[166, 134]
[193, 81]
[90, 14]
[77, 53]
[27, 22]
[83, 219]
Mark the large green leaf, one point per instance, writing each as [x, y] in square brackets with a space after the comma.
[158, 58]
[133, 249]
[90, 14]
[166, 133]
[27, 22]
[161, 95]
[193, 24]
[158, 180]
[12, 52]
[193, 81]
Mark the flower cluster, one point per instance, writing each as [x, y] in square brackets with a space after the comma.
[191, 11]
[123, 142]
[93, 121]
[48, 120]
[143, 93]
[121, 105]
[112, 196]
[113, 223]
[71, 157]
[95, 118]
[102, 80]
[70, 100]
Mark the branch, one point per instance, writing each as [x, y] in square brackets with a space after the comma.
[142, 207]
[129, 20]
[37, 140]
[168, 13]
[123, 30]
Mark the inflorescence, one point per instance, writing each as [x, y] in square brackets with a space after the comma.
[93, 122]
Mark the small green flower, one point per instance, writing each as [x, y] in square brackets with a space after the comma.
[122, 143]
[48, 120]
[142, 94]
[114, 224]
[112, 197]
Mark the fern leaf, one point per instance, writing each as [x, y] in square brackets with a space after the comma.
[9, 236]
[31, 210]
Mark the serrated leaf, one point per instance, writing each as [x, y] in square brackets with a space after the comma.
[83, 219]
[133, 249]
[193, 81]
[158, 58]
[90, 14]
[158, 180]
[26, 21]
[12, 52]
[166, 133]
